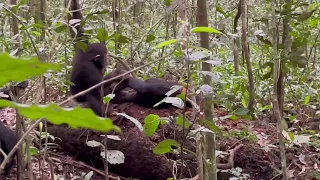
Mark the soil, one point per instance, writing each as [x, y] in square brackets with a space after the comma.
[259, 156]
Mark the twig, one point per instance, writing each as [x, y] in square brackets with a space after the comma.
[79, 164]
[33, 44]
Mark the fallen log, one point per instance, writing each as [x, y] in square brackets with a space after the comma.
[140, 161]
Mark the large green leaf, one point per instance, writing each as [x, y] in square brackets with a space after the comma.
[165, 43]
[205, 29]
[74, 117]
[19, 69]
[183, 122]
[151, 123]
[165, 146]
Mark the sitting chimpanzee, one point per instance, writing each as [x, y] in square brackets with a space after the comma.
[88, 65]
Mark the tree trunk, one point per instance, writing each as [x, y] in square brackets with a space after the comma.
[209, 138]
[19, 123]
[277, 85]
[247, 56]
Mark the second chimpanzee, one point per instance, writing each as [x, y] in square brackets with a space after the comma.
[148, 92]
[8, 140]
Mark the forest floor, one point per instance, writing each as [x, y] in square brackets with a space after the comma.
[259, 156]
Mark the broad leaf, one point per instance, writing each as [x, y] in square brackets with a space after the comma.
[165, 146]
[205, 29]
[183, 122]
[19, 69]
[165, 43]
[108, 98]
[306, 100]
[74, 117]
[150, 38]
[151, 123]
[123, 39]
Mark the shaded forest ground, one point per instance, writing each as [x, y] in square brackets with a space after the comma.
[259, 157]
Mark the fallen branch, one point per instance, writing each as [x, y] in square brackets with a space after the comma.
[230, 163]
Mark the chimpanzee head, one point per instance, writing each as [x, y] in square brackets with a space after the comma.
[98, 53]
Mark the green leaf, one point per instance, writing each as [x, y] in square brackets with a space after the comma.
[82, 45]
[35, 33]
[186, 123]
[104, 11]
[123, 39]
[291, 117]
[165, 146]
[306, 100]
[264, 40]
[33, 151]
[313, 22]
[300, 61]
[305, 15]
[93, 14]
[19, 69]
[233, 117]
[267, 107]
[165, 43]
[291, 135]
[22, 2]
[247, 117]
[244, 101]
[150, 38]
[74, 117]
[163, 122]
[102, 34]
[60, 28]
[220, 10]
[206, 29]
[108, 98]
[151, 123]
[241, 112]
[210, 125]
[167, 2]
[40, 25]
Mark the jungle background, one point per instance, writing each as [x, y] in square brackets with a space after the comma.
[254, 63]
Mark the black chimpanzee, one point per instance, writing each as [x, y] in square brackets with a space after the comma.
[88, 66]
[8, 140]
[148, 92]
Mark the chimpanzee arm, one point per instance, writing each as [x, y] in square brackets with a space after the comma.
[123, 97]
[94, 103]
[115, 73]
[137, 84]
[108, 87]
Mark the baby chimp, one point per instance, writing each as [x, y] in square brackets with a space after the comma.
[8, 140]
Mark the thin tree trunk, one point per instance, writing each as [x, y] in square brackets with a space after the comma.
[247, 56]
[276, 80]
[209, 138]
[19, 125]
